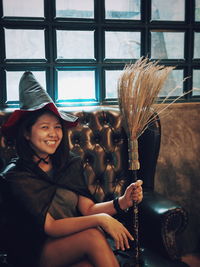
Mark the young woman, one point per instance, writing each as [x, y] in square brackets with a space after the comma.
[54, 220]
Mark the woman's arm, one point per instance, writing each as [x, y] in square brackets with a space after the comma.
[97, 215]
[132, 193]
[67, 226]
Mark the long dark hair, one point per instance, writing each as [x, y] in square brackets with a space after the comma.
[23, 147]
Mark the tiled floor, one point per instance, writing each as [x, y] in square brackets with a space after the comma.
[193, 260]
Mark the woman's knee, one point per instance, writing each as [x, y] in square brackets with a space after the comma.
[68, 250]
[96, 245]
[94, 234]
[95, 238]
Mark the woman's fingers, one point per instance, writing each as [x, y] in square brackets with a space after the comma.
[117, 230]
[125, 240]
[121, 242]
[117, 244]
[129, 235]
[122, 239]
[137, 192]
[137, 195]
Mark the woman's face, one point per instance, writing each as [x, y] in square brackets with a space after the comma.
[45, 135]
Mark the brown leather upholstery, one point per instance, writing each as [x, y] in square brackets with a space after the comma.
[101, 141]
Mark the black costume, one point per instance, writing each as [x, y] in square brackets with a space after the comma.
[31, 193]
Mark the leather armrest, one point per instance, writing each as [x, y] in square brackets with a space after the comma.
[160, 221]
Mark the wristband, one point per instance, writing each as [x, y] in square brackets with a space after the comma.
[117, 206]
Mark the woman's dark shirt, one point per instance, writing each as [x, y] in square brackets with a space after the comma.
[31, 193]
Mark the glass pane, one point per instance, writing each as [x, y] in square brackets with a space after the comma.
[168, 10]
[24, 44]
[23, 8]
[76, 85]
[197, 45]
[122, 45]
[197, 10]
[75, 8]
[122, 9]
[75, 44]
[112, 77]
[12, 81]
[173, 85]
[164, 46]
[196, 82]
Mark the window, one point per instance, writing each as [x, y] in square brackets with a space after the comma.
[77, 49]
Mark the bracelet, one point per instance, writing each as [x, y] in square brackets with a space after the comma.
[117, 206]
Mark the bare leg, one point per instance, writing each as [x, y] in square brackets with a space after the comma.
[71, 250]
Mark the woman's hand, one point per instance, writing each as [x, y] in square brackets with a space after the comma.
[133, 193]
[116, 230]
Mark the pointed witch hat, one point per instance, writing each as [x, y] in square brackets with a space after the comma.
[33, 97]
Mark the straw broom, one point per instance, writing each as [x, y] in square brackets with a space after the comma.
[138, 89]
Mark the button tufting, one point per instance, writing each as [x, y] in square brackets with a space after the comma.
[106, 121]
[88, 159]
[85, 120]
[76, 139]
[116, 137]
[109, 157]
[96, 139]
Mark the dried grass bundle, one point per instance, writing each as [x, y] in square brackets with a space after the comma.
[138, 89]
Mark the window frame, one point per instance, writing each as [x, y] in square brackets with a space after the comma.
[99, 24]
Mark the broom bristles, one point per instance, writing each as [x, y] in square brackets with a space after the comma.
[138, 89]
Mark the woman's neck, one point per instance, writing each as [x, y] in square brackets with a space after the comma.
[45, 167]
[45, 159]
[43, 163]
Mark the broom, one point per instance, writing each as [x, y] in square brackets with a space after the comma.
[138, 89]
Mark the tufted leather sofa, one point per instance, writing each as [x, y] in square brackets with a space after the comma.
[101, 141]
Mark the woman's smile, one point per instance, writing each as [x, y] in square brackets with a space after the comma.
[50, 142]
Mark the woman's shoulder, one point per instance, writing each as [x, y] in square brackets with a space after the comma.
[74, 162]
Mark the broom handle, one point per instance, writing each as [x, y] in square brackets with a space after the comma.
[134, 165]
[136, 224]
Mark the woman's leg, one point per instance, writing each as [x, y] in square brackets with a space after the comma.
[89, 246]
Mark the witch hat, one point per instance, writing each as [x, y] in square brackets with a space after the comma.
[33, 97]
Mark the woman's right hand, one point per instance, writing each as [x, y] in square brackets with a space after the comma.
[116, 230]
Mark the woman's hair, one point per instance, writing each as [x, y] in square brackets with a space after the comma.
[25, 151]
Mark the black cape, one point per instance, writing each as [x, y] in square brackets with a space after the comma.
[28, 194]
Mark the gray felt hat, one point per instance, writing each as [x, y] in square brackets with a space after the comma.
[32, 97]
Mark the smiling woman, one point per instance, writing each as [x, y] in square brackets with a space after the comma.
[52, 208]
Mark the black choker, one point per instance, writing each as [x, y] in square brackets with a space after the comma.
[42, 159]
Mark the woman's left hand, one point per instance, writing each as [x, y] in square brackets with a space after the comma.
[133, 193]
